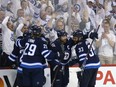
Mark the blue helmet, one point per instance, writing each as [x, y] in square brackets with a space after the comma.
[27, 34]
[77, 33]
[61, 33]
[36, 31]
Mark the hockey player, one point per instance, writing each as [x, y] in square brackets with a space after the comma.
[60, 73]
[87, 59]
[15, 58]
[35, 49]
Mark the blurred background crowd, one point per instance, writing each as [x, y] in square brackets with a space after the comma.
[69, 15]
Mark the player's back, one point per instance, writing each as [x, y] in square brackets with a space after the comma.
[32, 53]
[83, 51]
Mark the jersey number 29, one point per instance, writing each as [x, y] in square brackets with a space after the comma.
[30, 49]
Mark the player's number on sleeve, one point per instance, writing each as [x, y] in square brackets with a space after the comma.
[91, 52]
[30, 49]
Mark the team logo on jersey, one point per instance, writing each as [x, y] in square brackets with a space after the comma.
[12, 37]
[43, 39]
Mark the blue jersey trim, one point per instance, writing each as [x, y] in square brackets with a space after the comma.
[11, 58]
[18, 71]
[31, 67]
[92, 67]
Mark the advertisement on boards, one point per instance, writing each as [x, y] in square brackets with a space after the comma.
[106, 77]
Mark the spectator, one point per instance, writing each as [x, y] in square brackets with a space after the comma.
[105, 44]
[9, 11]
[21, 29]
[15, 6]
[85, 24]
[20, 17]
[60, 25]
[91, 12]
[74, 25]
[2, 15]
[26, 8]
[85, 14]
[49, 11]
[50, 31]
[114, 61]
[7, 39]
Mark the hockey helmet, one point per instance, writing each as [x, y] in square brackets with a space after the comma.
[61, 33]
[77, 36]
[77, 33]
[36, 31]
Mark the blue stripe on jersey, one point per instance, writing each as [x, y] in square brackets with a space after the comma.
[14, 56]
[10, 58]
[92, 65]
[18, 42]
[19, 70]
[83, 55]
[82, 59]
[46, 53]
[32, 65]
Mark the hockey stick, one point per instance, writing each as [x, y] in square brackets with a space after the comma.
[84, 63]
[62, 65]
[55, 75]
[57, 70]
[80, 73]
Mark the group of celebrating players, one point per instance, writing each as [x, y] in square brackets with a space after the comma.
[33, 49]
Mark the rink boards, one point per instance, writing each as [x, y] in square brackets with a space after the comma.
[106, 77]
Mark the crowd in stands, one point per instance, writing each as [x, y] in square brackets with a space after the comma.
[17, 15]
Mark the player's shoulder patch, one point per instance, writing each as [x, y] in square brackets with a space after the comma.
[43, 39]
[53, 45]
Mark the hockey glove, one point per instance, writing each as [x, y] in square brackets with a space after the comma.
[94, 35]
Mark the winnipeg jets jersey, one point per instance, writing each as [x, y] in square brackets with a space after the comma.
[17, 52]
[57, 46]
[35, 50]
[83, 52]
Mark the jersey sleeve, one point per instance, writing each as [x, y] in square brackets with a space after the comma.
[20, 43]
[14, 55]
[46, 53]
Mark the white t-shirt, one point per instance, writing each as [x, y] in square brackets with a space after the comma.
[105, 49]
[7, 37]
